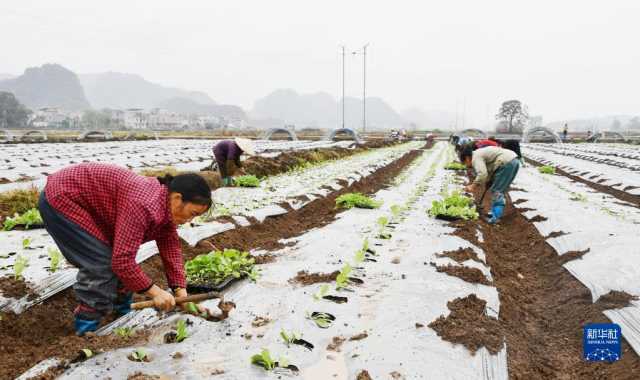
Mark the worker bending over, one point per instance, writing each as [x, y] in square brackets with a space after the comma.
[100, 214]
[499, 164]
[227, 153]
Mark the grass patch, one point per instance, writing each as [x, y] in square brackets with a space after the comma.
[358, 200]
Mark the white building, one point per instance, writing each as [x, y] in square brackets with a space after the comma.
[135, 118]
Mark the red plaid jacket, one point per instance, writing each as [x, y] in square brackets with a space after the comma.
[123, 210]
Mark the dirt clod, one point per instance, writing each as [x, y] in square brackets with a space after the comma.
[335, 344]
[471, 275]
[460, 255]
[260, 321]
[363, 375]
[305, 278]
[469, 325]
[360, 336]
[12, 288]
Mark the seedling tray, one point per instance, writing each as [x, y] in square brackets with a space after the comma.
[205, 288]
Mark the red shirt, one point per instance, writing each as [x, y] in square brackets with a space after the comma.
[485, 143]
[123, 210]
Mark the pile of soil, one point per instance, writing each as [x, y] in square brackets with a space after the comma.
[364, 375]
[12, 288]
[542, 306]
[460, 255]
[471, 275]
[335, 344]
[305, 278]
[622, 195]
[468, 324]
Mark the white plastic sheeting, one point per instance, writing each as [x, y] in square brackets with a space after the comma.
[393, 298]
[592, 221]
[619, 172]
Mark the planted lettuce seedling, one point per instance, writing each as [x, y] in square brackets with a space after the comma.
[322, 320]
[139, 355]
[343, 277]
[264, 360]
[19, 266]
[358, 200]
[324, 289]
[55, 255]
[26, 243]
[124, 332]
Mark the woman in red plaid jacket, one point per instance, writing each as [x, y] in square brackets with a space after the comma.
[100, 214]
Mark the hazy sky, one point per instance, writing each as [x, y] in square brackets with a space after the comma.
[563, 58]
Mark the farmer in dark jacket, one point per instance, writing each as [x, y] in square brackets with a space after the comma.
[229, 151]
[499, 164]
[100, 214]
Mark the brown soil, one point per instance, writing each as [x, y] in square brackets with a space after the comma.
[264, 259]
[305, 278]
[12, 288]
[45, 331]
[571, 255]
[335, 344]
[360, 336]
[364, 375]
[468, 324]
[538, 218]
[26, 339]
[471, 275]
[144, 376]
[543, 307]
[622, 195]
[555, 234]
[460, 255]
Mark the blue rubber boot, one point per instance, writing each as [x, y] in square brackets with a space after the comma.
[496, 213]
[122, 305]
[227, 181]
[84, 326]
[86, 319]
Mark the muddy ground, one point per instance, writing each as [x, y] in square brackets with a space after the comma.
[46, 330]
[542, 306]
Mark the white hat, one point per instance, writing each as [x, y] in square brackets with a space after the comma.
[246, 145]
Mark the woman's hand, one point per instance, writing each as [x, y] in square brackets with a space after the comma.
[162, 299]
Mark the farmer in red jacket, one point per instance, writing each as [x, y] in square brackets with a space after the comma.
[100, 214]
[228, 151]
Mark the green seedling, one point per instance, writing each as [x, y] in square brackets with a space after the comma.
[359, 257]
[289, 339]
[181, 331]
[87, 353]
[139, 355]
[55, 256]
[578, 197]
[19, 266]
[396, 210]
[322, 320]
[26, 243]
[247, 181]
[547, 169]
[324, 289]
[124, 332]
[358, 200]
[254, 274]
[454, 206]
[343, 277]
[264, 360]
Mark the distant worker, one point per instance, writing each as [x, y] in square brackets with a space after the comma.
[495, 167]
[395, 135]
[565, 131]
[99, 215]
[227, 153]
[485, 143]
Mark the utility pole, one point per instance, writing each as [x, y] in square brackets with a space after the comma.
[364, 88]
[343, 86]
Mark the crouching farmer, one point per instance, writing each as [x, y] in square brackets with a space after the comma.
[100, 214]
[228, 152]
[501, 165]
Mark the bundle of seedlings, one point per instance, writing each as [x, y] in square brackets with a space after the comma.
[358, 200]
[247, 181]
[547, 169]
[455, 166]
[26, 220]
[216, 269]
[454, 207]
